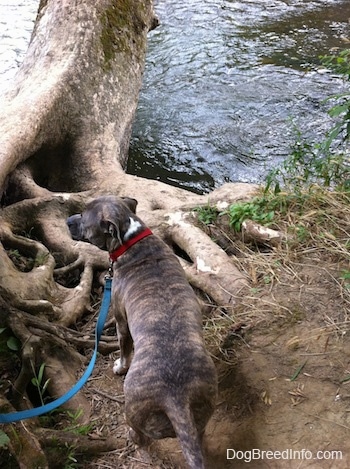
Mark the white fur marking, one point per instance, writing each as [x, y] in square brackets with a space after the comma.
[117, 366]
[133, 228]
[120, 367]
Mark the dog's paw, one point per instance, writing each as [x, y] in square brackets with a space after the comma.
[119, 368]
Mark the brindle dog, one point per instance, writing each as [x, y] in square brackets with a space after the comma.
[171, 382]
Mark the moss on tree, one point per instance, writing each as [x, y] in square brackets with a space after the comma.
[122, 25]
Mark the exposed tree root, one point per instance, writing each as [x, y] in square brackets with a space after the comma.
[253, 231]
[24, 444]
[82, 444]
[29, 443]
[211, 270]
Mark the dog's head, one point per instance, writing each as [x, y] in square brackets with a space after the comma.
[107, 222]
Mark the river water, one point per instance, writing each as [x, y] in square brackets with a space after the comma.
[226, 84]
[16, 24]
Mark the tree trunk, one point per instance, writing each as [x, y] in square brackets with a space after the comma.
[64, 133]
[75, 95]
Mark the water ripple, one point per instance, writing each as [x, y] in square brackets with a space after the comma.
[16, 25]
[223, 81]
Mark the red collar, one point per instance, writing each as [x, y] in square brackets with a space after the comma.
[124, 247]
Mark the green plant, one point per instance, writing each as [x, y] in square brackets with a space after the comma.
[298, 371]
[267, 279]
[326, 163]
[75, 427]
[301, 232]
[207, 214]
[14, 253]
[340, 64]
[21, 261]
[38, 381]
[12, 343]
[4, 439]
[40, 259]
[345, 275]
[70, 462]
[257, 210]
[307, 165]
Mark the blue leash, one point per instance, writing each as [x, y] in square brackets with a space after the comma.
[26, 414]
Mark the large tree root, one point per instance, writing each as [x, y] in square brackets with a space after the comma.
[29, 442]
[211, 270]
[82, 444]
[55, 347]
[24, 444]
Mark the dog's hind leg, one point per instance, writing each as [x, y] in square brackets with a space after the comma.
[122, 365]
[139, 438]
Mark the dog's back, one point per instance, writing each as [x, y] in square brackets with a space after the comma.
[171, 386]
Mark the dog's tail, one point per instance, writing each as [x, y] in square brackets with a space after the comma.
[182, 419]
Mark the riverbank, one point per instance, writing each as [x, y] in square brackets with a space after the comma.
[282, 355]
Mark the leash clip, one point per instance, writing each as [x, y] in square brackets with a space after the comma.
[109, 274]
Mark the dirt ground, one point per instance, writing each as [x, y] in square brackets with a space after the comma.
[283, 359]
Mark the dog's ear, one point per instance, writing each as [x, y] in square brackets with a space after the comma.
[131, 203]
[111, 228]
[74, 225]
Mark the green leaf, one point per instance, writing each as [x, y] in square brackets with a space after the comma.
[41, 372]
[2, 329]
[4, 439]
[277, 188]
[340, 109]
[298, 371]
[13, 344]
[45, 385]
[35, 382]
